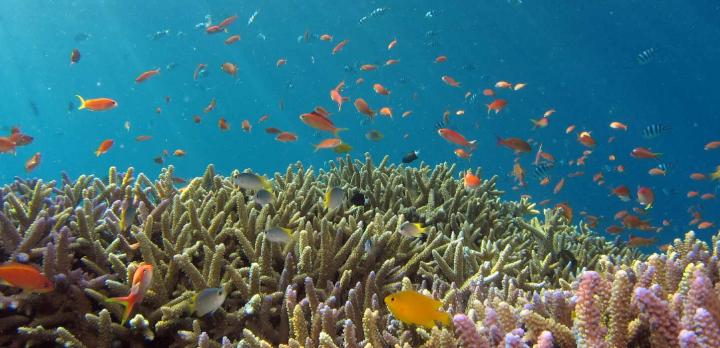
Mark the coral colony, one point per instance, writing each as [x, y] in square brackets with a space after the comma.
[507, 274]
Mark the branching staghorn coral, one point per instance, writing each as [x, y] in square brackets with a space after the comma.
[325, 287]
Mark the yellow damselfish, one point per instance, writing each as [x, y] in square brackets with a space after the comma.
[411, 307]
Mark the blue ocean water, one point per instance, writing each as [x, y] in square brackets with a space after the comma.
[579, 58]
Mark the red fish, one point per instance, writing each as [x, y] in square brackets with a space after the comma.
[330, 143]
[104, 147]
[335, 95]
[457, 138]
[643, 153]
[450, 81]
[146, 75]
[379, 89]
[214, 29]
[227, 21]
[246, 127]
[286, 137]
[7, 145]
[211, 106]
[229, 68]
[622, 192]
[586, 139]
[223, 124]
[516, 144]
[74, 56]
[646, 197]
[232, 39]
[24, 276]
[340, 46]
[32, 162]
[320, 122]
[470, 180]
[272, 130]
[497, 105]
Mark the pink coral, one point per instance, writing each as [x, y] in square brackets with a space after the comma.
[467, 333]
[656, 313]
[545, 340]
[588, 319]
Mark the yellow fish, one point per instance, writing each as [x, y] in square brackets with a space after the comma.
[411, 307]
[716, 174]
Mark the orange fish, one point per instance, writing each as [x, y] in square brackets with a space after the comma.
[335, 95]
[232, 39]
[198, 69]
[210, 106]
[179, 153]
[143, 138]
[286, 137]
[656, 171]
[320, 122]
[544, 181]
[462, 153]
[519, 86]
[540, 123]
[705, 225]
[97, 104]
[272, 130]
[516, 144]
[142, 279]
[227, 21]
[497, 105]
[223, 124]
[470, 180]
[229, 68]
[24, 276]
[503, 84]
[74, 56]
[392, 62]
[614, 229]
[197, 119]
[586, 139]
[19, 138]
[406, 113]
[280, 62]
[569, 129]
[692, 194]
[32, 162]
[326, 37]
[712, 145]
[7, 145]
[386, 111]
[330, 143]
[549, 113]
[519, 173]
[246, 127]
[559, 186]
[214, 29]
[368, 67]
[698, 176]
[488, 92]
[450, 81]
[146, 75]
[379, 89]
[457, 138]
[362, 107]
[104, 147]
[440, 59]
[339, 46]
[618, 125]
[643, 153]
[707, 196]
[392, 44]
[264, 118]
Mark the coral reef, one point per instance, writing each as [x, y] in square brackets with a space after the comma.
[508, 277]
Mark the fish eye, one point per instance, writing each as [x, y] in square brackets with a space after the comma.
[392, 299]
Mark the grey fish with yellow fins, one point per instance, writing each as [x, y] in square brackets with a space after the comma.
[412, 229]
[278, 234]
[127, 215]
[334, 198]
[252, 181]
[264, 197]
[207, 301]
[412, 307]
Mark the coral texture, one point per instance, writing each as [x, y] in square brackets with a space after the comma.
[510, 275]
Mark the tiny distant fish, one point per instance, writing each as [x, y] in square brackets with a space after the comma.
[34, 108]
[646, 56]
[376, 12]
[82, 37]
[252, 18]
[541, 170]
[654, 130]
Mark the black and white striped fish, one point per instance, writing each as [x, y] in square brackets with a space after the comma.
[646, 56]
[654, 130]
[541, 170]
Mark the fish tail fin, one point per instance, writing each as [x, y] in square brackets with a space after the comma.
[489, 108]
[266, 184]
[326, 201]
[127, 302]
[338, 130]
[82, 102]
[534, 122]
[499, 141]
[317, 147]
